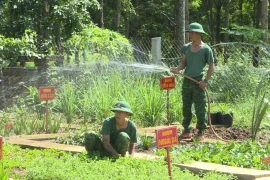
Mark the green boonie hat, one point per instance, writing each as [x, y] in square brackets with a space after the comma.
[122, 106]
[195, 27]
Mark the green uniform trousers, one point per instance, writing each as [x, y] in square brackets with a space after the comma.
[93, 143]
[192, 93]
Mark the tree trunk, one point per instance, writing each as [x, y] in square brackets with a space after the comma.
[11, 15]
[134, 3]
[218, 16]
[186, 21]
[127, 25]
[241, 12]
[58, 37]
[210, 19]
[46, 9]
[179, 6]
[264, 16]
[11, 19]
[258, 14]
[100, 15]
[226, 20]
[117, 15]
[241, 17]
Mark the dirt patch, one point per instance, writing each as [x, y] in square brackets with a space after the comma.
[17, 173]
[236, 134]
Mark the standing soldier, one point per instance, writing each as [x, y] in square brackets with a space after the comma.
[195, 55]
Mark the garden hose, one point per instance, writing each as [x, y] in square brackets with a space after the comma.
[208, 100]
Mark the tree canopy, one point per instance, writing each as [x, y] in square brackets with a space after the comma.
[56, 21]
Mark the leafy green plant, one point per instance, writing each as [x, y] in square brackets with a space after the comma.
[92, 44]
[67, 101]
[233, 87]
[19, 124]
[225, 108]
[246, 154]
[4, 173]
[4, 119]
[84, 106]
[54, 123]
[73, 138]
[258, 111]
[152, 104]
[147, 141]
[31, 102]
[54, 164]
[12, 48]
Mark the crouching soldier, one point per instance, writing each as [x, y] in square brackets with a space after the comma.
[119, 134]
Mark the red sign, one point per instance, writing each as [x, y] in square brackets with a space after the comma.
[266, 160]
[46, 93]
[166, 137]
[8, 126]
[167, 83]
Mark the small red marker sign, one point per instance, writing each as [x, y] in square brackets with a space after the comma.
[46, 93]
[266, 160]
[166, 137]
[8, 126]
[167, 83]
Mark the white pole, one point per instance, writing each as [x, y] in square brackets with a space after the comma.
[156, 50]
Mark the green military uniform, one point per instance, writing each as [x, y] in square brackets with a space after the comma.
[191, 92]
[119, 139]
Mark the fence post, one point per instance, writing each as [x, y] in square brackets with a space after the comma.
[156, 50]
[2, 95]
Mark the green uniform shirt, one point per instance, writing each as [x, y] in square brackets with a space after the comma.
[195, 62]
[109, 128]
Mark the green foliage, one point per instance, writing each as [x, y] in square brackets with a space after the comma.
[96, 44]
[54, 164]
[25, 121]
[66, 101]
[245, 154]
[84, 106]
[96, 91]
[232, 81]
[250, 34]
[4, 173]
[212, 175]
[4, 119]
[152, 104]
[147, 141]
[12, 48]
[260, 106]
[145, 18]
[73, 138]
[31, 102]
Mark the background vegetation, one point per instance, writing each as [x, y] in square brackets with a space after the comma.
[55, 22]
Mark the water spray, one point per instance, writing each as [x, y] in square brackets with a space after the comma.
[163, 68]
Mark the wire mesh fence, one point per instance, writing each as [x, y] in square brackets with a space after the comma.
[239, 69]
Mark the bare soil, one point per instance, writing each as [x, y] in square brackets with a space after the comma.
[237, 134]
